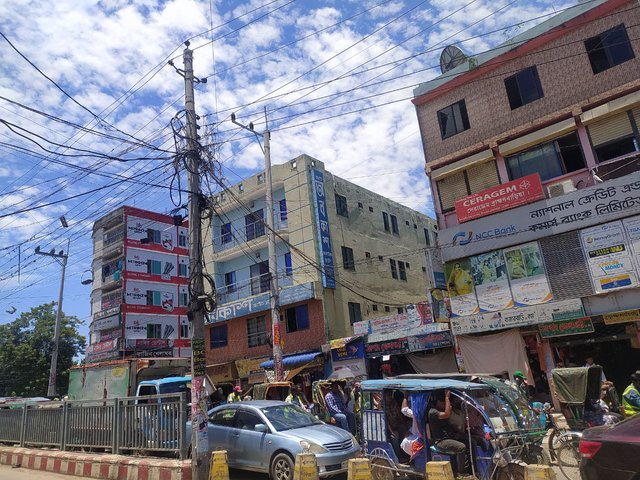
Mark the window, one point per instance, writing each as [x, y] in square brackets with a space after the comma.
[260, 178]
[254, 224]
[183, 270]
[260, 279]
[472, 180]
[347, 259]
[394, 225]
[256, 332]
[614, 136]
[182, 240]
[523, 87]
[354, 313]
[185, 331]
[371, 209]
[154, 298]
[224, 418]
[341, 206]
[184, 299]
[283, 210]
[360, 205]
[154, 236]
[380, 257]
[385, 221]
[453, 119]
[288, 266]
[394, 268]
[218, 336]
[154, 330]
[367, 254]
[246, 420]
[387, 308]
[406, 222]
[374, 307]
[297, 318]
[427, 238]
[154, 267]
[609, 49]
[225, 233]
[402, 271]
[230, 282]
[550, 160]
[400, 310]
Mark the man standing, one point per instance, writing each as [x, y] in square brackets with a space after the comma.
[337, 409]
[236, 395]
[521, 382]
[444, 435]
[631, 396]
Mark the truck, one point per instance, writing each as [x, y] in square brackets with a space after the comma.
[120, 378]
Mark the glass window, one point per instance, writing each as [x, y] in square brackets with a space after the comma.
[523, 87]
[609, 49]
[550, 160]
[402, 271]
[394, 269]
[254, 224]
[225, 233]
[256, 332]
[230, 281]
[297, 318]
[354, 313]
[394, 225]
[341, 206]
[218, 336]
[182, 240]
[224, 418]
[283, 210]
[616, 148]
[154, 236]
[288, 266]
[347, 259]
[247, 420]
[154, 330]
[385, 221]
[427, 238]
[288, 417]
[183, 270]
[184, 330]
[154, 267]
[453, 119]
[260, 278]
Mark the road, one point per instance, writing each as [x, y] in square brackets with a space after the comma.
[9, 473]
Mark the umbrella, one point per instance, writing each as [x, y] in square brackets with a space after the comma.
[342, 374]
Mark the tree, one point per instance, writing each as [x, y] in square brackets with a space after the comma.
[26, 345]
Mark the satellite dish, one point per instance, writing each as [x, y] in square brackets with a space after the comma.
[451, 57]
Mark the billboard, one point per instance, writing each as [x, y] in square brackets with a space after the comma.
[529, 284]
[460, 286]
[489, 272]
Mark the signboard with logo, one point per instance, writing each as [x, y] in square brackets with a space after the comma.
[608, 257]
[163, 233]
[260, 303]
[499, 198]
[529, 284]
[489, 272]
[147, 264]
[322, 227]
[108, 350]
[391, 347]
[566, 327]
[612, 200]
[430, 341]
[461, 288]
[626, 316]
[139, 326]
[106, 323]
[352, 350]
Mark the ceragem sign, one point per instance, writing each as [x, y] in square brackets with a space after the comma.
[499, 198]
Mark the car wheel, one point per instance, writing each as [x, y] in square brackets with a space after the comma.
[282, 467]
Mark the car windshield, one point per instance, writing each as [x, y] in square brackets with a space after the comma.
[288, 417]
[514, 396]
[177, 387]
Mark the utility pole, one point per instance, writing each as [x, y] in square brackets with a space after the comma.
[271, 245]
[199, 421]
[61, 258]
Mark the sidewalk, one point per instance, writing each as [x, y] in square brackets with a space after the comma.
[96, 465]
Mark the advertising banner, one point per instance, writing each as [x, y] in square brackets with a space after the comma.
[391, 347]
[350, 351]
[529, 285]
[566, 327]
[632, 228]
[489, 272]
[139, 326]
[429, 341]
[322, 226]
[626, 316]
[608, 257]
[460, 287]
[619, 198]
[106, 323]
[138, 228]
[440, 304]
[501, 197]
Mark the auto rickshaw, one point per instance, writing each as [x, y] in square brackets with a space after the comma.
[270, 391]
[494, 439]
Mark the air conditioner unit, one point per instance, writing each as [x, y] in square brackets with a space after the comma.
[560, 188]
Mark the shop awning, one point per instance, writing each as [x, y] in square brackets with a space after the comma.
[290, 361]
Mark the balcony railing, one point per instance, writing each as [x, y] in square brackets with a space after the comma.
[247, 233]
[238, 291]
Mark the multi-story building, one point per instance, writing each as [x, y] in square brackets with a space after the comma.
[139, 291]
[532, 150]
[343, 253]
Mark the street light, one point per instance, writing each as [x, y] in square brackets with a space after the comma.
[62, 259]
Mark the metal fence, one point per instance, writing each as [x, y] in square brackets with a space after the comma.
[155, 423]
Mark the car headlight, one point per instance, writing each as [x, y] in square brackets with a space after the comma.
[354, 439]
[310, 447]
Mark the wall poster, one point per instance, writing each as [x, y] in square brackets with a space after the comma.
[489, 273]
[529, 284]
[461, 289]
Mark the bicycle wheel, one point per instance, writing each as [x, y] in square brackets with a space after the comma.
[568, 457]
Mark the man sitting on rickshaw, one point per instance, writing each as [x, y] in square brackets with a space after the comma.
[444, 436]
[337, 409]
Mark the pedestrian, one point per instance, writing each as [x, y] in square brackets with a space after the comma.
[588, 362]
[631, 396]
[236, 395]
[521, 382]
[338, 410]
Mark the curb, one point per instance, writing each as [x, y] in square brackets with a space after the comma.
[101, 466]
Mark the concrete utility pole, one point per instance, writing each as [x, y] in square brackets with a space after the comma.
[199, 421]
[271, 244]
[53, 372]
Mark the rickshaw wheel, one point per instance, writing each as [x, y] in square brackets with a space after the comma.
[381, 469]
[512, 471]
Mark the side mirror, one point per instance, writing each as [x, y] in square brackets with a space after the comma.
[260, 428]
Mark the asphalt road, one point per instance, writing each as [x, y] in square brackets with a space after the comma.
[9, 473]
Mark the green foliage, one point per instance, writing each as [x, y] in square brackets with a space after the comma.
[25, 352]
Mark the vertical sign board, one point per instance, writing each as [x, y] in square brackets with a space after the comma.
[322, 227]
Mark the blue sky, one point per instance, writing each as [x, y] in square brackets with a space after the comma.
[335, 77]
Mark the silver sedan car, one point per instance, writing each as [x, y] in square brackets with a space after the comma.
[265, 436]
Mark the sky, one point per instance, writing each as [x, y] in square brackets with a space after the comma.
[91, 111]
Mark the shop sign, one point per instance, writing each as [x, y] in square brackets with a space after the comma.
[361, 328]
[405, 331]
[109, 312]
[221, 372]
[182, 343]
[102, 347]
[257, 376]
[247, 365]
[110, 334]
[260, 303]
[391, 347]
[322, 227]
[614, 199]
[566, 327]
[350, 351]
[563, 310]
[429, 341]
[609, 257]
[626, 316]
[155, 353]
[357, 366]
[499, 198]
[106, 323]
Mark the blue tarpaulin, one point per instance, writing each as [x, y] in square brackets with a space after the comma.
[292, 360]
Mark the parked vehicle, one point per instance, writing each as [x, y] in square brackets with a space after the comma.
[270, 391]
[265, 436]
[611, 452]
[484, 419]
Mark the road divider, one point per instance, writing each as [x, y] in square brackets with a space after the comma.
[219, 467]
[359, 469]
[306, 467]
[439, 471]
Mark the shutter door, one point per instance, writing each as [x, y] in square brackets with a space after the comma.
[566, 266]
[483, 176]
[451, 189]
[611, 128]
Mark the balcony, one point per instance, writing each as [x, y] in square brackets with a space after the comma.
[249, 288]
[254, 233]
